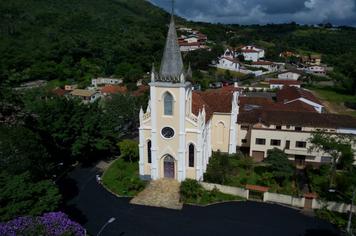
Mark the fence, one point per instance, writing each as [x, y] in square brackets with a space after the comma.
[293, 201]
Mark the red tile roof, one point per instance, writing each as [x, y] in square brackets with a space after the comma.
[232, 60]
[257, 188]
[253, 103]
[189, 44]
[249, 51]
[292, 93]
[285, 82]
[113, 89]
[296, 118]
[219, 100]
[141, 90]
[59, 92]
[262, 63]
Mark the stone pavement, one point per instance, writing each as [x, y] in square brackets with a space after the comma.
[160, 193]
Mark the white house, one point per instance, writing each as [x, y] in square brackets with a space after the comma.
[87, 96]
[187, 47]
[191, 39]
[227, 63]
[105, 81]
[289, 76]
[268, 65]
[316, 70]
[229, 53]
[279, 84]
[251, 53]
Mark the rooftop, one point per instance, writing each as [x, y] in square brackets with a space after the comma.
[297, 118]
[83, 93]
[292, 93]
[285, 82]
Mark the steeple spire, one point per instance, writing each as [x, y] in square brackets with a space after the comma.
[172, 63]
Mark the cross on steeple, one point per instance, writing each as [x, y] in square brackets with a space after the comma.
[173, 2]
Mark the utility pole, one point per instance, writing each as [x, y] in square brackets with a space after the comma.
[349, 223]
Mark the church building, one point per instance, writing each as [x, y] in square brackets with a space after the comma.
[180, 128]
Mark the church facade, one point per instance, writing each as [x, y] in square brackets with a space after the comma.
[180, 128]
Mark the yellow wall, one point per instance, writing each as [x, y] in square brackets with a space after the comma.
[220, 132]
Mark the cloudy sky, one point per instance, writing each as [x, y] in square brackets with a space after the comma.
[338, 12]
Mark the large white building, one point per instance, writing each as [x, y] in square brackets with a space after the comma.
[252, 53]
[181, 128]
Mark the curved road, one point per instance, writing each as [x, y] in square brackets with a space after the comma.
[91, 205]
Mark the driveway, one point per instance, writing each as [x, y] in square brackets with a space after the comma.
[91, 205]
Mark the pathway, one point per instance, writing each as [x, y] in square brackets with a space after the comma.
[160, 193]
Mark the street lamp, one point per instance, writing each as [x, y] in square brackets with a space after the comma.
[112, 219]
[349, 222]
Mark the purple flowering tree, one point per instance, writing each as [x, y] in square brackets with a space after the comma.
[50, 224]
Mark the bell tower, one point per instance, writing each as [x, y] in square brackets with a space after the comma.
[168, 89]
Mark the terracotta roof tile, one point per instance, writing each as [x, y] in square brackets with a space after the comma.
[113, 89]
[285, 82]
[296, 118]
[292, 93]
[262, 63]
[213, 100]
[257, 188]
[59, 92]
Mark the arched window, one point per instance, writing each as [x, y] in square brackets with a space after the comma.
[149, 144]
[168, 104]
[191, 155]
[220, 132]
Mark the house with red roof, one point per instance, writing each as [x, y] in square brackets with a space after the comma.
[113, 89]
[292, 94]
[252, 53]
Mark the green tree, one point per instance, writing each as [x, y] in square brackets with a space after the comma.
[279, 165]
[22, 150]
[21, 196]
[129, 150]
[338, 147]
[219, 168]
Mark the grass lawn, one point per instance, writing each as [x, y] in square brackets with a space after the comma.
[123, 179]
[334, 100]
[232, 73]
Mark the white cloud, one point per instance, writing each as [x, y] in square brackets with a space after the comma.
[266, 11]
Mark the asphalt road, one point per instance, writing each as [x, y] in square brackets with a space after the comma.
[91, 205]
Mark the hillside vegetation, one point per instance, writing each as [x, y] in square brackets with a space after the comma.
[49, 39]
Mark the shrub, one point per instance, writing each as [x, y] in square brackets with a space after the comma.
[351, 105]
[190, 189]
[129, 150]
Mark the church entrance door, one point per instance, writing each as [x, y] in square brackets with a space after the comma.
[168, 167]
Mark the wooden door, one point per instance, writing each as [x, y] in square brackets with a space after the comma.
[258, 156]
[169, 167]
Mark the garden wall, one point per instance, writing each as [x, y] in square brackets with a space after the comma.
[280, 198]
[332, 206]
[241, 192]
[284, 199]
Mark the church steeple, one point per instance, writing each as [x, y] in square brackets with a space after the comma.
[172, 62]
